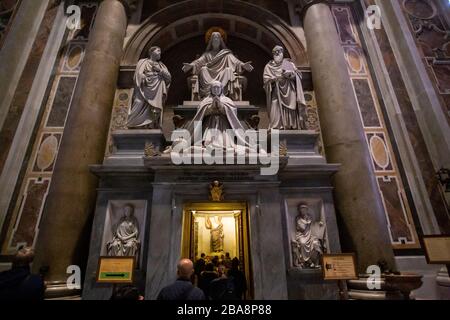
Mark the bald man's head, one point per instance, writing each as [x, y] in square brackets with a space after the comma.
[185, 269]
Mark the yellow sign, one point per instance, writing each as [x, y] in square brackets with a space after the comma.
[437, 249]
[115, 270]
[339, 267]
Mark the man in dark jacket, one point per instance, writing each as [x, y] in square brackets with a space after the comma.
[206, 277]
[223, 287]
[239, 280]
[182, 288]
[18, 283]
[200, 265]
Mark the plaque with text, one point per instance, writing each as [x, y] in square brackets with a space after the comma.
[115, 270]
[437, 249]
[339, 267]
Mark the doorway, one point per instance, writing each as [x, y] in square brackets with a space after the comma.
[220, 231]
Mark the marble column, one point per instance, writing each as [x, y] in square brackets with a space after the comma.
[67, 217]
[357, 197]
[163, 254]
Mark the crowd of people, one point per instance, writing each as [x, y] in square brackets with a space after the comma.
[209, 279]
[216, 279]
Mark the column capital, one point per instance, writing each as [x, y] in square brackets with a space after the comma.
[301, 6]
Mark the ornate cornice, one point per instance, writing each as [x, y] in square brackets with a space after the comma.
[301, 6]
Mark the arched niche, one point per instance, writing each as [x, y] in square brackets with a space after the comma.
[192, 18]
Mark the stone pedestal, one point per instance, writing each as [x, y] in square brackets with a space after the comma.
[301, 146]
[189, 108]
[391, 287]
[129, 146]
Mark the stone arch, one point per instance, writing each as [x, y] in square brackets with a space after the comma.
[173, 24]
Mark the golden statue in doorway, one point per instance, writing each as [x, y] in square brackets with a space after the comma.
[215, 226]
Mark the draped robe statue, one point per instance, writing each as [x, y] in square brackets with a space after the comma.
[125, 241]
[217, 234]
[285, 98]
[307, 245]
[218, 63]
[152, 82]
[216, 119]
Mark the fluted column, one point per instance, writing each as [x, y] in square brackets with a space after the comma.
[357, 196]
[66, 220]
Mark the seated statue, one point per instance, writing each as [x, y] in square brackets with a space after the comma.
[215, 125]
[308, 243]
[152, 82]
[125, 242]
[218, 63]
[285, 99]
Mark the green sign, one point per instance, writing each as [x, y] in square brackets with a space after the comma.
[115, 270]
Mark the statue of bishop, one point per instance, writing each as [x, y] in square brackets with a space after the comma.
[152, 82]
[285, 98]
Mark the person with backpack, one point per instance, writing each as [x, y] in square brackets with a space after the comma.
[182, 289]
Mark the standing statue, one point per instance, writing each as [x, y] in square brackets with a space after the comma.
[285, 98]
[152, 82]
[217, 234]
[125, 240]
[308, 243]
[218, 63]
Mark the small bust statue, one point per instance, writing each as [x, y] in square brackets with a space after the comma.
[216, 191]
[307, 245]
[125, 242]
